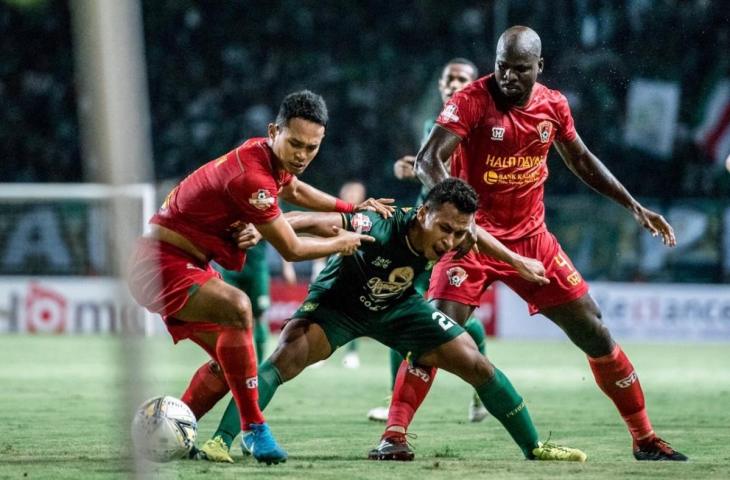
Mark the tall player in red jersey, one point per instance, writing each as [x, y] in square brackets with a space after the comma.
[171, 275]
[501, 128]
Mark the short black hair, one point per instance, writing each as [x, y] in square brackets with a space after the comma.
[453, 190]
[303, 104]
[464, 61]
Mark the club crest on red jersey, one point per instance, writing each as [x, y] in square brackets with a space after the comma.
[456, 276]
[545, 128]
[448, 114]
[261, 199]
[361, 223]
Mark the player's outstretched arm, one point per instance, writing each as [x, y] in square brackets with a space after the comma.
[315, 223]
[304, 195]
[431, 159]
[280, 234]
[594, 173]
[529, 268]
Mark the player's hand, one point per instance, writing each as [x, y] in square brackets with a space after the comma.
[656, 224]
[350, 241]
[246, 236]
[404, 168]
[530, 269]
[381, 205]
[469, 243]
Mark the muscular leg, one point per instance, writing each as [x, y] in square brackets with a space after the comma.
[461, 357]
[613, 372]
[301, 344]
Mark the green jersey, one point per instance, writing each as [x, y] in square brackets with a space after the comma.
[380, 274]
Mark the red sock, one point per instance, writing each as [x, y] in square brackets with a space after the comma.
[617, 378]
[237, 358]
[207, 386]
[411, 387]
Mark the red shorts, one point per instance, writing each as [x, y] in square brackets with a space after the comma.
[162, 278]
[465, 280]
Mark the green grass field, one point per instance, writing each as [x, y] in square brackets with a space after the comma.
[60, 400]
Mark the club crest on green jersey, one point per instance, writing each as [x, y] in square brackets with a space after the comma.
[361, 223]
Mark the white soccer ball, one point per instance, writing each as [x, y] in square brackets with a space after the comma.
[163, 429]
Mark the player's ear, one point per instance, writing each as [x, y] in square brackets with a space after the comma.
[540, 65]
[421, 213]
[273, 130]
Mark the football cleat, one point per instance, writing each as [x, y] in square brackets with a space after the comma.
[215, 450]
[393, 446]
[260, 442]
[657, 449]
[477, 410]
[551, 451]
[378, 414]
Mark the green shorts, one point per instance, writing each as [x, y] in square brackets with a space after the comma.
[412, 327]
[254, 280]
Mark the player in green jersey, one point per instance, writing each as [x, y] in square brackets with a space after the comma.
[371, 293]
[455, 75]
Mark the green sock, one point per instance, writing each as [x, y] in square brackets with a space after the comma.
[260, 336]
[230, 424]
[475, 329]
[395, 361]
[506, 405]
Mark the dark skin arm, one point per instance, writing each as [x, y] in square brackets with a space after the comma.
[433, 156]
[586, 166]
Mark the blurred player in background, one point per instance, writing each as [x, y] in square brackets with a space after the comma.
[371, 293]
[171, 274]
[455, 75]
[501, 128]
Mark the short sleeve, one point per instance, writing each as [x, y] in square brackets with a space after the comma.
[460, 114]
[566, 130]
[256, 197]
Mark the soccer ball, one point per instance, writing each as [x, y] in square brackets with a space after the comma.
[163, 429]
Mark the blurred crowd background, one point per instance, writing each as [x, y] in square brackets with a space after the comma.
[645, 79]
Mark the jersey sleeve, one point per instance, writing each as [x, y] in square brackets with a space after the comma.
[460, 114]
[566, 131]
[256, 198]
[369, 223]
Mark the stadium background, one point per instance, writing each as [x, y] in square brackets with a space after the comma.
[648, 82]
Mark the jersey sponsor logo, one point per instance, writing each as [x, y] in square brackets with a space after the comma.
[515, 161]
[626, 382]
[261, 199]
[456, 276]
[381, 291]
[512, 178]
[545, 128]
[381, 262]
[448, 114]
[361, 223]
[498, 134]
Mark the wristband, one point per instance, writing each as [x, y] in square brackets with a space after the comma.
[344, 207]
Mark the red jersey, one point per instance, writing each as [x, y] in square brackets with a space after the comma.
[503, 152]
[241, 186]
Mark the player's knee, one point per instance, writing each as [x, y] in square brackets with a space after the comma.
[483, 370]
[240, 312]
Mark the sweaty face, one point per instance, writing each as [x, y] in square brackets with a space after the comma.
[442, 229]
[455, 77]
[516, 72]
[296, 144]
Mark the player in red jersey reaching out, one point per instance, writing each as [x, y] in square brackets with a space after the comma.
[500, 128]
[170, 272]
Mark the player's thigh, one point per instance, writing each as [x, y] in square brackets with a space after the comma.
[461, 357]
[217, 302]
[458, 312]
[302, 342]
[580, 319]
[413, 327]
[339, 325]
